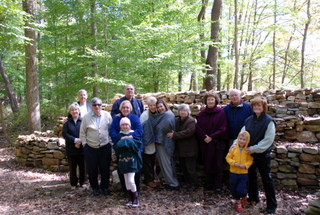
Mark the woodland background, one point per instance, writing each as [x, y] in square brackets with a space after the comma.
[52, 48]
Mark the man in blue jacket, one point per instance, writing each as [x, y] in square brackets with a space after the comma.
[137, 106]
[237, 112]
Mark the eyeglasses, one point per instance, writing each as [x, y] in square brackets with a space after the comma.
[94, 105]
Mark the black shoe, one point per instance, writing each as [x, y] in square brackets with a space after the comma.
[218, 191]
[170, 188]
[271, 211]
[106, 192]
[192, 188]
[268, 211]
[96, 192]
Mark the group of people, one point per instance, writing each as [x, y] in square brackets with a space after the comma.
[240, 133]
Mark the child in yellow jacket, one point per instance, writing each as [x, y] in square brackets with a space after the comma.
[239, 161]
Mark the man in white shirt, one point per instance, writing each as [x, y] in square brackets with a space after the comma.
[94, 134]
[85, 106]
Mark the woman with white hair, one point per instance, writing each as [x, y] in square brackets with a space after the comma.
[74, 147]
[149, 155]
[186, 148]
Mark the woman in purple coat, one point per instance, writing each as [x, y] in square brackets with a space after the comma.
[212, 133]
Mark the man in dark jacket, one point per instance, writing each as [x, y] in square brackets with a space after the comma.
[237, 112]
[137, 106]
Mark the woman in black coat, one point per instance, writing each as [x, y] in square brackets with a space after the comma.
[74, 146]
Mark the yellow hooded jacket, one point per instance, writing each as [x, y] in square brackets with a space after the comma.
[240, 157]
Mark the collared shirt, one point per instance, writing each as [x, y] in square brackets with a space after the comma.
[97, 118]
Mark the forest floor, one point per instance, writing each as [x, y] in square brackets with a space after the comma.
[26, 190]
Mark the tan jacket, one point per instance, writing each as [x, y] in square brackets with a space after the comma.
[93, 135]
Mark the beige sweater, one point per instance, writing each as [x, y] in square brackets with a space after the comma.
[93, 135]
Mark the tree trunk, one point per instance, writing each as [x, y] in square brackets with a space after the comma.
[286, 53]
[274, 46]
[33, 103]
[94, 33]
[219, 75]
[286, 63]
[236, 49]
[179, 81]
[210, 81]
[201, 17]
[304, 45]
[12, 97]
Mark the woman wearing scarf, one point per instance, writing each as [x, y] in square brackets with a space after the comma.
[162, 123]
[212, 133]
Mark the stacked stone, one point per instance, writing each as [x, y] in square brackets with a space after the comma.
[297, 165]
[57, 129]
[42, 149]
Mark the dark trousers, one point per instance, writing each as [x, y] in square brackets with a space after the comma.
[214, 169]
[261, 163]
[188, 167]
[238, 185]
[74, 162]
[137, 180]
[98, 159]
[149, 161]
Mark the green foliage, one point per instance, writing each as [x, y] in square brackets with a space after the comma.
[50, 112]
[148, 43]
[17, 123]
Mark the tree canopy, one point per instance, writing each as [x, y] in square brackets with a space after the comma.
[100, 45]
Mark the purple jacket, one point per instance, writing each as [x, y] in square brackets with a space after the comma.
[213, 122]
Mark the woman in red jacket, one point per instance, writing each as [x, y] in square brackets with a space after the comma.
[212, 133]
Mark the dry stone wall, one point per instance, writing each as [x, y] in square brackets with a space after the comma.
[296, 157]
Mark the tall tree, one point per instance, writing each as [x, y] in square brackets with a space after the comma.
[305, 32]
[33, 103]
[236, 49]
[94, 46]
[12, 97]
[274, 46]
[210, 80]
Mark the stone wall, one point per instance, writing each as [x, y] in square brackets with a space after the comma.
[293, 164]
[42, 149]
[296, 164]
[45, 150]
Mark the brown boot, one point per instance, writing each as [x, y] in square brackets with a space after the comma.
[129, 194]
[135, 201]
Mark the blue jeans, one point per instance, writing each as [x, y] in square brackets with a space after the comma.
[238, 185]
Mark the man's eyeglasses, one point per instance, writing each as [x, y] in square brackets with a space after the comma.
[94, 105]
